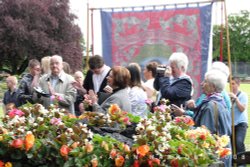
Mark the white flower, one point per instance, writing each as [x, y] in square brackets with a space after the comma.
[40, 119]
[168, 136]
[150, 128]
[43, 111]
[140, 127]
[31, 120]
[69, 130]
[20, 130]
[156, 133]
[148, 122]
[35, 124]
[90, 134]
[163, 147]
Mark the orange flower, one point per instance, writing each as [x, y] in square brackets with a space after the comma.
[94, 162]
[89, 148]
[142, 150]
[8, 164]
[224, 152]
[189, 121]
[74, 145]
[119, 161]
[113, 153]
[71, 115]
[29, 141]
[126, 148]
[17, 143]
[64, 151]
[113, 109]
[1, 164]
[203, 137]
[156, 161]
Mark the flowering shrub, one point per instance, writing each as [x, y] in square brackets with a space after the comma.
[114, 116]
[175, 143]
[34, 136]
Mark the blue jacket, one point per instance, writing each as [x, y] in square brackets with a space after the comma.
[205, 115]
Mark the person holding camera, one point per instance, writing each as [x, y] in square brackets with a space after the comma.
[172, 81]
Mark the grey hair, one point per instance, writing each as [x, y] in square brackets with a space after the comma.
[57, 57]
[217, 78]
[78, 73]
[217, 65]
[180, 59]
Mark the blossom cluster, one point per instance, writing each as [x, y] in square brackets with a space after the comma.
[176, 143]
[114, 116]
[32, 132]
[35, 136]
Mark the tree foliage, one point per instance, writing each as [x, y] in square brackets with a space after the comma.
[239, 35]
[37, 28]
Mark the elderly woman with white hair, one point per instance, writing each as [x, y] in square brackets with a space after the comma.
[213, 112]
[222, 67]
[175, 85]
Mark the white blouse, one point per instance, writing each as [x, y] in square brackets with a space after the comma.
[138, 97]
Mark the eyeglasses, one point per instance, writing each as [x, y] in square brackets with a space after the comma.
[37, 69]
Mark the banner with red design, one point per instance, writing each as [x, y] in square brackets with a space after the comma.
[153, 35]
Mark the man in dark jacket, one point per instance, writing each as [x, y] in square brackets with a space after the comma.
[29, 81]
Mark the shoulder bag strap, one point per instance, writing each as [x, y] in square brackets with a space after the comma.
[238, 93]
[216, 117]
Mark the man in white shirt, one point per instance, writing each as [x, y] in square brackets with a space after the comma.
[96, 76]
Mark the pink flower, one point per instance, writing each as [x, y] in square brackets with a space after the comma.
[149, 101]
[15, 112]
[55, 121]
[160, 108]
[177, 119]
[59, 98]
[52, 97]
[126, 121]
[55, 97]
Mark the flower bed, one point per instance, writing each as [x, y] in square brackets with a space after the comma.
[34, 136]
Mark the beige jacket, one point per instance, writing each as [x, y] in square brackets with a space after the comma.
[63, 87]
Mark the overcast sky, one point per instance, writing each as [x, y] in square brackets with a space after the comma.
[79, 8]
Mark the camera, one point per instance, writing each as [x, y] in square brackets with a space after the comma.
[161, 69]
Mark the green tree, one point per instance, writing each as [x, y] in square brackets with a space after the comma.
[37, 28]
[239, 34]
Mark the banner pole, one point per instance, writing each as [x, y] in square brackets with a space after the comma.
[230, 84]
[173, 4]
[92, 32]
[87, 35]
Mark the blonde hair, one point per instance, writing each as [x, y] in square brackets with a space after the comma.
[45, 63]
[12, 79]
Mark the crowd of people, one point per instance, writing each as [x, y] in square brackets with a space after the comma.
[124, 86]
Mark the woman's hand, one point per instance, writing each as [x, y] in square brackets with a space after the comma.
[78, 86]
[91, 96]
[191, 104]
[108, 89]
